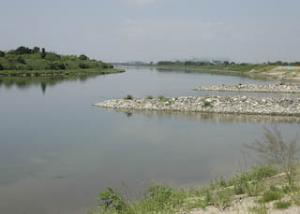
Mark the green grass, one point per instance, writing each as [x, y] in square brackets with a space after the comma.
[282, 205]
[220, 194]
[259, 209]
[271, 195]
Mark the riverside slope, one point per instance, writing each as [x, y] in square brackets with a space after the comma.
[211, 104]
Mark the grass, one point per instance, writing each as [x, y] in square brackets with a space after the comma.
[259, 209]
[258, 181]
[282, 205]
[271, 195]
[235, 68]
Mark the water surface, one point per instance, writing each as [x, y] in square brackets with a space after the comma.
[57, 150]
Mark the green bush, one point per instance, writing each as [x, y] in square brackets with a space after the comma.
[282, 205]
[84, 66]
[83, 57]
[128, 97]
[52, 57]
[21, 60]
[110, 199]
[2, 54]
[57, 66]
[271, 195]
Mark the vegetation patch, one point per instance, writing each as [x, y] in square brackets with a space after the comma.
[37, 61]
[282, 205]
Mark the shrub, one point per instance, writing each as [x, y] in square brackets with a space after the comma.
[83, 57]
[57, 66]
[22, 50]
[207, 104]
[107, 66]
[36, 50]
[2, 54]
[52, 57]
[275, 150]
[128, 97]
[1, 67]
[282, 205]
[271, 195]
[21, 60]
[110, 199]
[161, 198]
[84, 66]
[162, 98]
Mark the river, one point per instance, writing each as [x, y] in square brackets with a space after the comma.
[58, 151]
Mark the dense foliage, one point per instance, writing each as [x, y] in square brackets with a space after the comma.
[38, 59]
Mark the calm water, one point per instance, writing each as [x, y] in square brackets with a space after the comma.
[57, 151]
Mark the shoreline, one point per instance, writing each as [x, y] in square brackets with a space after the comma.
[51, 73]
[210, 104]
[263, 88]
[282, 73]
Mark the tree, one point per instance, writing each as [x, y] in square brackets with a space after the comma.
[36, 50]
[43, 54]
[83, 66]
[21, 60]
[22, 50]
[83, 57]
[2, 54]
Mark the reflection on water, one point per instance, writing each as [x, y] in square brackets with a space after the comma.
[43, 82]
[213, 117]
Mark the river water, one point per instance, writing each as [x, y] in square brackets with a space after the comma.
[58, 151]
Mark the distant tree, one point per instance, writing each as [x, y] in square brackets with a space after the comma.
[1, 67]
[22, 50]
[36, 50]
[52, 56]
[83, 66]
[2, 54]
[57, 66]
[43, 54]
[83, 57]
[21, 60]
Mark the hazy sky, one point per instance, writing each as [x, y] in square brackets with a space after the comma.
[122, 30]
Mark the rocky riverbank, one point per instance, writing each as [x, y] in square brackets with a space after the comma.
[266, 88]
[210, 104]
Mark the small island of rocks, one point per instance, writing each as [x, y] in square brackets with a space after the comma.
[210, 104]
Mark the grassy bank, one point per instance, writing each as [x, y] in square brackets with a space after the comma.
[262, 189]
[280, 71]
[34, 62]
[258, 190]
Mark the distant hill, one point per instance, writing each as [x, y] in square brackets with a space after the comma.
[38, 61]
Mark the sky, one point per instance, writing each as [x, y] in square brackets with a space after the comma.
[152, 30]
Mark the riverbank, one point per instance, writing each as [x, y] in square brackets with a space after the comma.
[266, 88]
[260, 190]
[260, 71]
[210, 104]
[51, 73]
